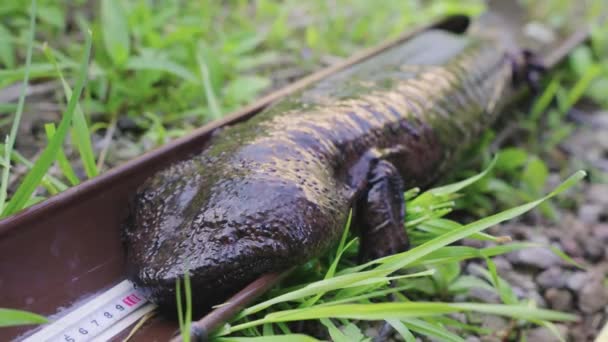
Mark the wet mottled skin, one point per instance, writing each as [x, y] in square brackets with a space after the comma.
[275, 191]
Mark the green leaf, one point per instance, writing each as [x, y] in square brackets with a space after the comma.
[245, 88]
[159, 63]
[535, 175]
[11, 318]
[49, 154]
[115, 31]
[7, 51]
[581, 59]
[52, 15]
[511, 158]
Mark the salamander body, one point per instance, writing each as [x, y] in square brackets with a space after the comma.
[275, 191]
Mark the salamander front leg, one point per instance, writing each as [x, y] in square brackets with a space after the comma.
[380, 212]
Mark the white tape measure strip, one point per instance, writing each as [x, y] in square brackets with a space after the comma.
[101, 318]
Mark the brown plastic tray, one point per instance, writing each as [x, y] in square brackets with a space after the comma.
[68, 247]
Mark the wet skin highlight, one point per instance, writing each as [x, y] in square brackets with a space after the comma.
[275, 191]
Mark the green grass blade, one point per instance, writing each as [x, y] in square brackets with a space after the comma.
[374, 294]
[47, 157]
[180, 311]
[331, 271]
[543, 102]
[53, 184]
[11, 318]
[278, 338]
[516, 311]
[431, 330]
[335, 333]
[212, 102]
[188, 315]
[401, 329]
[10, 140]
[582, 85]
[404, 310]
[455, 187]
[19, 158]
[81, 136]
[62, 160]
[312, 289]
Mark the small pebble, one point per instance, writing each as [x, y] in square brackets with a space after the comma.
[553, 277]
[502, 264]
[570, 246]
[524, 281]
[560, 300]
[537, 257]
[494, 323]
[538, 300]
[577, 280]
[593, 297]
[594, 249]
[590, 213]
[483, 295]
[598, 193]
[542, 334]
[600, 231]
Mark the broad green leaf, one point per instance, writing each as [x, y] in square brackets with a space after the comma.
[245, 88]
[115, 31]
[7, 51]
[581, 59]
[52, 15]
[158, 63]
[535, 175]
[511, 158]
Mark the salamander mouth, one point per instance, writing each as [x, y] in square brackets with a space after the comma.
[210, 284]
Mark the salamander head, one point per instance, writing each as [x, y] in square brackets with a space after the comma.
[223, 225]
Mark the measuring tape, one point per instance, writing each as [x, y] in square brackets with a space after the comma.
[99, 319]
